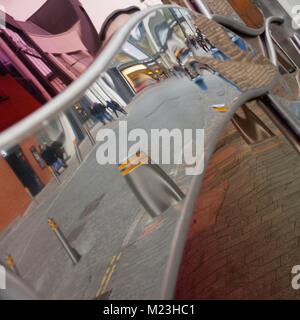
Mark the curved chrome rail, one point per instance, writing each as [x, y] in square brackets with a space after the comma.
[70, 95]
[269, 41]
[73, 92]
[235, 26]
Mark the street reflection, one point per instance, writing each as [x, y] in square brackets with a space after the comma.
[39, 60]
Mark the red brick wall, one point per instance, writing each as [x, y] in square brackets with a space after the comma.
[13, 198]
[18, 105]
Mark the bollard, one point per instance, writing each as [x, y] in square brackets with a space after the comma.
[77, 151]
[72, 253]
[155, 190]
[91, 138]
[11, 265]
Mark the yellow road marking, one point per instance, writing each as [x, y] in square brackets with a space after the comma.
[113, 260]
[132, 161]
[103, 281]
[119, 257]
[130, 169]
[108, 275]
[222, 109]
[108, 279]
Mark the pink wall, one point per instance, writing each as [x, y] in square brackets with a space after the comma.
[95, 8]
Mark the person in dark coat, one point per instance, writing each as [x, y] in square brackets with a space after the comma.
[99, 111]
[51, 159]
[59, 151]
[115, 107]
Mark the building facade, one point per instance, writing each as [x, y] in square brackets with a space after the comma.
[39, 58]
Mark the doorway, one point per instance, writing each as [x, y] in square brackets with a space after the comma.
[23, 170]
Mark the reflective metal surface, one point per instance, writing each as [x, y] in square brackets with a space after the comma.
[282, 34]
[242, 17]
[170, 68]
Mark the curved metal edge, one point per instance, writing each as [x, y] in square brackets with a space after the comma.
[75, 90]
[178, 243]
[284, 113]
[17, 289]
[269, 42]
[234, 25]
[203, 8]
[275, 113]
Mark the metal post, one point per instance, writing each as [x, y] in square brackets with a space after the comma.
[91, 138]
[11, 265]
[77, 151]
[72, 253]
[155, 190]
[54, 175]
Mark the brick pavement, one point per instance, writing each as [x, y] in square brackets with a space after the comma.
[245, 235]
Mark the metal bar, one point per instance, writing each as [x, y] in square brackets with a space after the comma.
[202, 7]
[91, 138]
[268, 107]
[72, 253]
[54, 175]
[296, 42]
[269, 42]
[77, 151]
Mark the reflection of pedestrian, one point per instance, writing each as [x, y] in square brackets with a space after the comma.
[201, 83]
[115, 107]
[192, 42]
[51, 159]
[59, 151]
[99, 111]
[202, 41]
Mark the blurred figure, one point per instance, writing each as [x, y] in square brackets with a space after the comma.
[99, 111]
[59, 151]
[204, 43]
[115, 107]
[51, 159]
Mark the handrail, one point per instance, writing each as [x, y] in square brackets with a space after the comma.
[269, 42]
[230, 23]
[180, 234]
[74, 91]
[235, 26]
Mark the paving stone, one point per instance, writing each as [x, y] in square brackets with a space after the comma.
[259, 223]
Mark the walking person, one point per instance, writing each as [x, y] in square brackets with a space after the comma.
[51, 159]
[99, 111]
[59, 151]
[115, 107]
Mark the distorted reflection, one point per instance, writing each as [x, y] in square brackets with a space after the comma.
[50, 57]
[153, 69]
